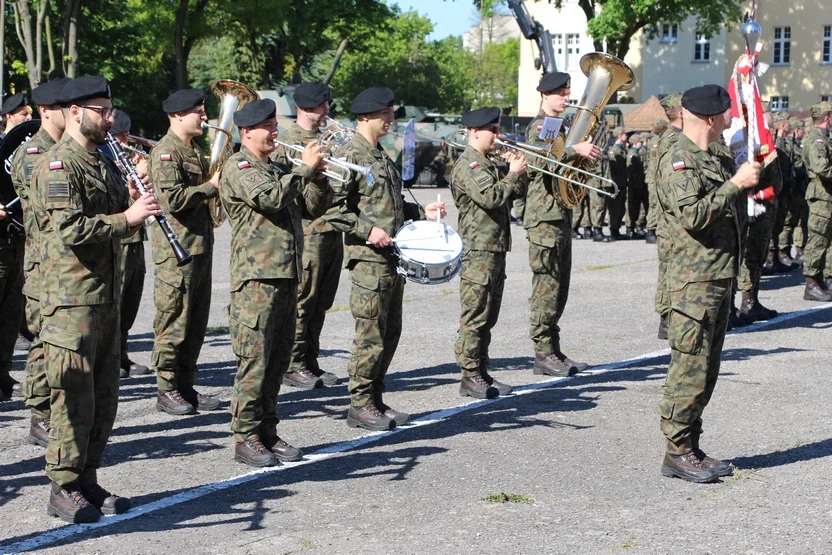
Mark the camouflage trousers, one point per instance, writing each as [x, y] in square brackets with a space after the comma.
[133, 270]
[637, 205]
[817, 257]
[603, 206]
[481, 283]
[618, 209]
[36, 390]
[376, 306]
[696, 333]
[81, 346]
[183, 301]
[662, 298]
[755, 238]
[795, 230]
[323, 254]
[11, 301]
[261, 321]
[598, 209]
[652, 207]
[550, 259]
[783, 203]
[581, 215]
[520, 207]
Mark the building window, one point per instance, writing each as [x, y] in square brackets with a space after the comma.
[557, 42]
[782, 45]
[826, 98]
[670, 33]
[826, 45]
[779, 104]
[573, 51]
[702, 48]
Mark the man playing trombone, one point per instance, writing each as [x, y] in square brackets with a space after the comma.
[548, 227]
[323, 250]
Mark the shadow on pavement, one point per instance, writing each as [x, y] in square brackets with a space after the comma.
[807, 452]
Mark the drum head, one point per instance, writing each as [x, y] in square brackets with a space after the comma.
[428, 242]
[17, 136]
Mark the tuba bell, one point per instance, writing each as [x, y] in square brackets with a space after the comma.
[233, 95]
[606, 74]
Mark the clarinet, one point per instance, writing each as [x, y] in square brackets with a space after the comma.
[183, 257]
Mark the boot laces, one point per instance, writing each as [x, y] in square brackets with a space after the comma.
[257, 445]
[77, 497]
[695, 460]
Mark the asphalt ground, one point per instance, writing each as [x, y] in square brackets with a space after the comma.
[563, 466]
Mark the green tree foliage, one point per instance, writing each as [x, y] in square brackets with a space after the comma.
[496, 80]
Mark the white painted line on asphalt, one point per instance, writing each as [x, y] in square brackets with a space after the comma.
[54, 536]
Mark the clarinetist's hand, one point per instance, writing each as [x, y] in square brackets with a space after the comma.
[144, 207]
[313, 155]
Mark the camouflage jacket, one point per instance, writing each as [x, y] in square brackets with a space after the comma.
[297, 135]
[78, 199]
[635, 169]
[618, 165]
[543, 203]
[179, 174]
[784, 160]
[801, 178]
[817, 155]
[484, 201]
[265, 204]
[359, 205]
[651, 153]
[701, 215]
[23, 164]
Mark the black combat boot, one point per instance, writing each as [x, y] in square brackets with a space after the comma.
[38, 431]
[369, 418]
[662, 327]
[798, 256]
[815, 292]
[10, 387]
[599, 237]
[778, 265]
[751, 307]
[172, 402]
[688, 467]
[768, 266]
[282, 450]
[551, 365]
[651, 238]
[477, 388]
[576, 235]
[328, 378]
[130, 368]
[786, 260]
[616, 235]
[197, 399]
[70, 505]
[638, 232]
[253, 453]
[588, 233]
[503, 388]
[303, 379]
[105, 501]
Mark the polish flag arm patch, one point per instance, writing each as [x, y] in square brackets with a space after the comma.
[679, 165]
[32, 150]
[166, 157]
[243, 164]
[56, 165]
[473, 165]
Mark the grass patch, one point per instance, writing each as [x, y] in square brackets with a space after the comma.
[217, 330]
[339, 308]
[740, 474]
[629, 544]
[608, 266]
[507, 498]
[600, 267]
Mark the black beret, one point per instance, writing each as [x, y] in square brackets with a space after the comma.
[552, 81]
[372, 100]
[48, 93]
[14, 102]
[254, 112]
[182, 100]
[311, 95]
[481, 117]
[121, 124]
[709, 100]
[84, 88]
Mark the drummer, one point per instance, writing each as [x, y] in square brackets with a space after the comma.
[368, 210]
[483, 192]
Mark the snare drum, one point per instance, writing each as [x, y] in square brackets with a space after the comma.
[429, 252]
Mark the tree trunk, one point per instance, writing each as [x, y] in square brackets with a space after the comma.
[70, 50]
[49, 47]
[23, 27]
[181, 57]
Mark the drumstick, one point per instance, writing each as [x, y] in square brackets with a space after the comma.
[439, 213]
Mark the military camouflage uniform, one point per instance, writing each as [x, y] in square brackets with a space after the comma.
[11, 296]
[323, 255]
[757, 234]
[179, 174]
[794, 226]
[818, 158]
[784, 199]
[548, 228]
[265, 204]
[652, 155]
[582, 215]
[699, 204]
[377, 289]
[602, 204]
[484, 202]
[35, 388]
[637, 199]
[78, 198]
[133, 271]
[618, 173]
[663, 238]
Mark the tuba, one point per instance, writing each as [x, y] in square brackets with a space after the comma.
[606, 74]
[233, 95]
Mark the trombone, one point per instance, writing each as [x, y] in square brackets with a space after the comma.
[458, 139]
[343, 164]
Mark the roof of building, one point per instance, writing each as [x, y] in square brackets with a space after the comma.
[643, 117]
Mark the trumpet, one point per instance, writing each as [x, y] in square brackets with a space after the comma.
[547, 164]
[343, 164]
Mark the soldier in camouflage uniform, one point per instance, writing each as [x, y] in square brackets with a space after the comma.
[652, 155]
[483, 195]
[618, 172]
[782, 133]
[369, 210]
[36, 390]
[582, 218]
[79, 198]
[698, 198]
[817, 155]
[794, 226]
[179, 173]
[599, 202]
[323, 251]
[548, 228]
[265, 202]
[15, 110]
[132, 260]
[637, 198]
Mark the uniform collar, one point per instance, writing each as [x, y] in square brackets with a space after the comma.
[303, 133]
[475, 156]
[254, 160]
[76, 148]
